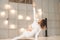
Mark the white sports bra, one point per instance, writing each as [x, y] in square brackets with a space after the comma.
[35, 26]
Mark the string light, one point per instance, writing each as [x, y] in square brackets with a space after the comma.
[28, 18]
[12, 26]
[20, 17]
[3, 14]
[6, 22]
[7, 6]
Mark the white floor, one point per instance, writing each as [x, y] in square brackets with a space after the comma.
[43, 38]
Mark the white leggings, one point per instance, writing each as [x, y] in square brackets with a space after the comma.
[27, 35]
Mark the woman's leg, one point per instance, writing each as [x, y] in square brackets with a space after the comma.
[18, 37]
[36, 35]
[25, 34]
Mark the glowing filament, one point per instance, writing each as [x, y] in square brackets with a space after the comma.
[22, 30]
[28, 18]
[20, 17]
[12, 26]
[6, 22]
[3, 14]
[12, 11]
[7, 6]
[40, 12]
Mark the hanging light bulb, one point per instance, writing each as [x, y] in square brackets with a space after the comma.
[40, 12]
[3, 14]
[6, 22]
[28, 18]
[7, 6]
[12, 26]
[21, 30]
[12, 11]
[20, 17]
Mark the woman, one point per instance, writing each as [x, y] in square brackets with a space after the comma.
[34, 29]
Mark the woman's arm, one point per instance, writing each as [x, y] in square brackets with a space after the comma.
[29, 28]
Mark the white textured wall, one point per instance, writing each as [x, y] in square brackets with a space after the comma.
[50, 9]
[23, 9]
[53, 18]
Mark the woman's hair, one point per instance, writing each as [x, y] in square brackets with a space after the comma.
[42, 23]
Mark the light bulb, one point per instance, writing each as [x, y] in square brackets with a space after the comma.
[12, 11]
[20, 17]
[6, 22]
[12, 26]
[22, 30]
[3, 14]
[7, 6]
[40, 12]
[28, 18]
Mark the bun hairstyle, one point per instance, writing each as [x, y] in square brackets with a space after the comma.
[42, 23]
